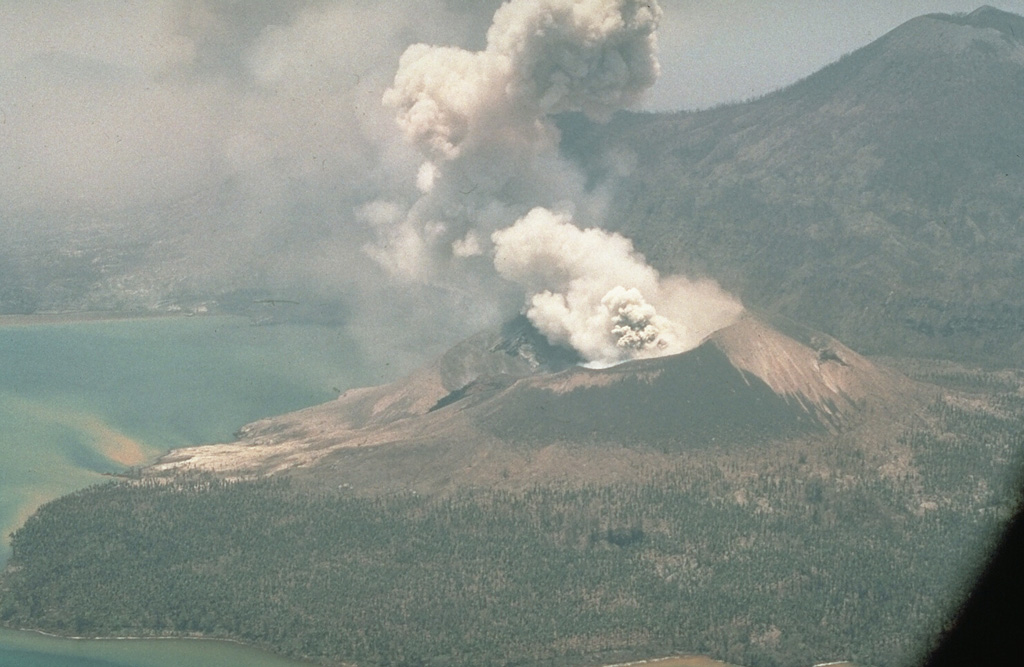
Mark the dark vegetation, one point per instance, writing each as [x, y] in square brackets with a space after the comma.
[823, 554]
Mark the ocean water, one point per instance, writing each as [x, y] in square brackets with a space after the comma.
[80, 399]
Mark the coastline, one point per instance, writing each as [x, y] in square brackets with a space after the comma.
[199, 640]
[683, 660]
[212, 359]
[81, 316]
[133, 638]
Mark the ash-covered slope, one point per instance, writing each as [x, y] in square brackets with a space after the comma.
[506, 407]
[878, 199]
[747, 383]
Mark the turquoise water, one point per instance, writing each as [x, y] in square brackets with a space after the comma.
[81, 399]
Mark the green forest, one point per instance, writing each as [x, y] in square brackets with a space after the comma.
[805, 561]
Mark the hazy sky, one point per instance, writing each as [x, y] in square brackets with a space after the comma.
[730, 50]
[245, 143]
[119, 103]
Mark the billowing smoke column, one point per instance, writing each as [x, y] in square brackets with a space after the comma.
[590, 290]
[482, 121]
[543, 57]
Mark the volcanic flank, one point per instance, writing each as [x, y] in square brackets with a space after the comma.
[507, 404]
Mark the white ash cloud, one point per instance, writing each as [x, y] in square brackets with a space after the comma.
[542, 57]
[482, 120]
[588, 289]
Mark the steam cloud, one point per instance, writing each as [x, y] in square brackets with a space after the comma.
[590, 290]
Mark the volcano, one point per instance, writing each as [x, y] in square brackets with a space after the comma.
[506, 405]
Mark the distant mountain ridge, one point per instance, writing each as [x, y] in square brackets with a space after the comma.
[878, 199]
[986, 16]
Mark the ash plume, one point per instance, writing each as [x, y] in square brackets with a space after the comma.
[482, 121]
[588, 289]
[542, 57]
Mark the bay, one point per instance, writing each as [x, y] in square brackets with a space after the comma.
[80, 399]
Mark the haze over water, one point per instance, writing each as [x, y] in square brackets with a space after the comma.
[79, 399]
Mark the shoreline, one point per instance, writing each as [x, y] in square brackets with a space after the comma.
[130, 638]
[82, 316]
[54, 635]
[682, 660]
